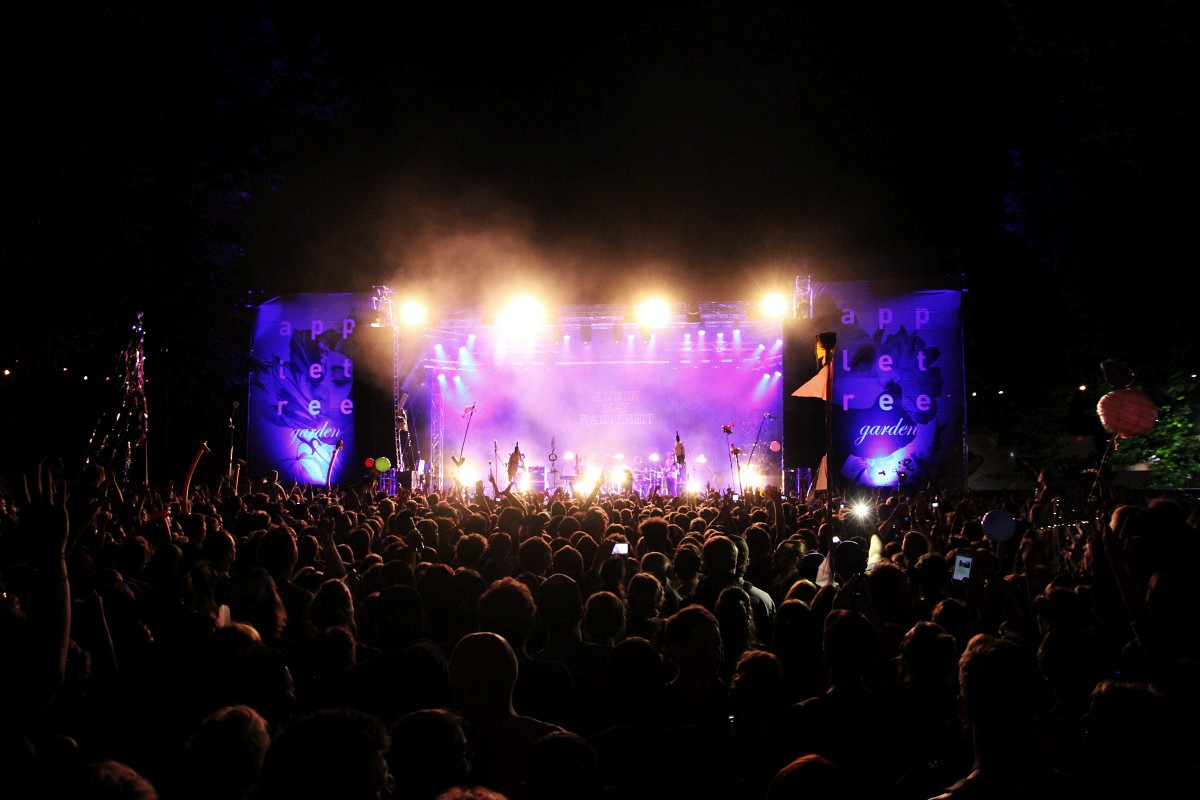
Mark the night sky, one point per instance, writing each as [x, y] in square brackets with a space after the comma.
[713, 149]
[189, 162]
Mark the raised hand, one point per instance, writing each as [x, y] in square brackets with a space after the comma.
[44, 512]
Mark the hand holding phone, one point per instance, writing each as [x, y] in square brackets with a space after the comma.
[962, 566]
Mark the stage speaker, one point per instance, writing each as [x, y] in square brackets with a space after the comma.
[803, 417]
[375, 422]
[407, 479]
[374, 400]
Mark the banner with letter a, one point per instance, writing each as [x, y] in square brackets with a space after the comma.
[897, 405]
[301, 420]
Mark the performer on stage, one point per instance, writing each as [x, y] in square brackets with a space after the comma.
[680, 460]
[515, 461]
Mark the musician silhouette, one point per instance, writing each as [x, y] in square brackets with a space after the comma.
[515, 461]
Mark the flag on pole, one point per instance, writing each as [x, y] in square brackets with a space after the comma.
[817, 386]
[468, 411]
[821, 483]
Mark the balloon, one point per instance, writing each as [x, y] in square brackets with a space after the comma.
[370, 462]
[1128, 412]
[999, 525]
[774, 447]
[383, 464]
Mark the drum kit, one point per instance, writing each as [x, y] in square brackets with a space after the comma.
[661, 478]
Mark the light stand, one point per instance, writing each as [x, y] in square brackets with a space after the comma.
[757, 436]
[826, 344]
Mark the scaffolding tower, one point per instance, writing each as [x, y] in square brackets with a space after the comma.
[436, 430]
[382, 302]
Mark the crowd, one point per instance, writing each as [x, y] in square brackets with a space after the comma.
[353, 643]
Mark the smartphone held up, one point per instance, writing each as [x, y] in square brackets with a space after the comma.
[962, 566]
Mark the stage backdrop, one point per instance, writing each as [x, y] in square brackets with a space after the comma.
[590, 389]
[315, 374]
[898, 401]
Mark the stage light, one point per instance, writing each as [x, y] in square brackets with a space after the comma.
[412, 313]
[585, 334]
[523, 313]
[774, 306]
[653, 313]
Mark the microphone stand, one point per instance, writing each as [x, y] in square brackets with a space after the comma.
[337, 448]
[232, 437]
[757, 436]
[458, 462]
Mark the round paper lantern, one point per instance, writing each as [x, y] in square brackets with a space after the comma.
[383, 464]
[999, 525]
[1128, 412]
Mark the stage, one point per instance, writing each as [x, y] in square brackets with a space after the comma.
[590, 389]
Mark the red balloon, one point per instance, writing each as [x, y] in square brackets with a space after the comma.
[1127, 412]
[370, 462]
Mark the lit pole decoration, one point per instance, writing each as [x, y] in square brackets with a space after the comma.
[123, 428]
[733, 451]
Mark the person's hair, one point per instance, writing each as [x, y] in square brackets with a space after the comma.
[850, 644]
[809, 775]
[720, 555]
[645, 594]
[108, 779]
[327, 753]
[687, 561]
[429, 752]
[654, 532]
[604, 617]
[682, 626]
[509, 519]
[253, 599]
[568, 561]
[756, 684]
[483, 671]
[736, 619]
[500, 543]
[559, 601]
[534, 556]
[469, 550]
[219, 548]
[1000, 683]
[471, 793]
[507, 608]
[927, 654]
[333, 604]
[228, 749]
